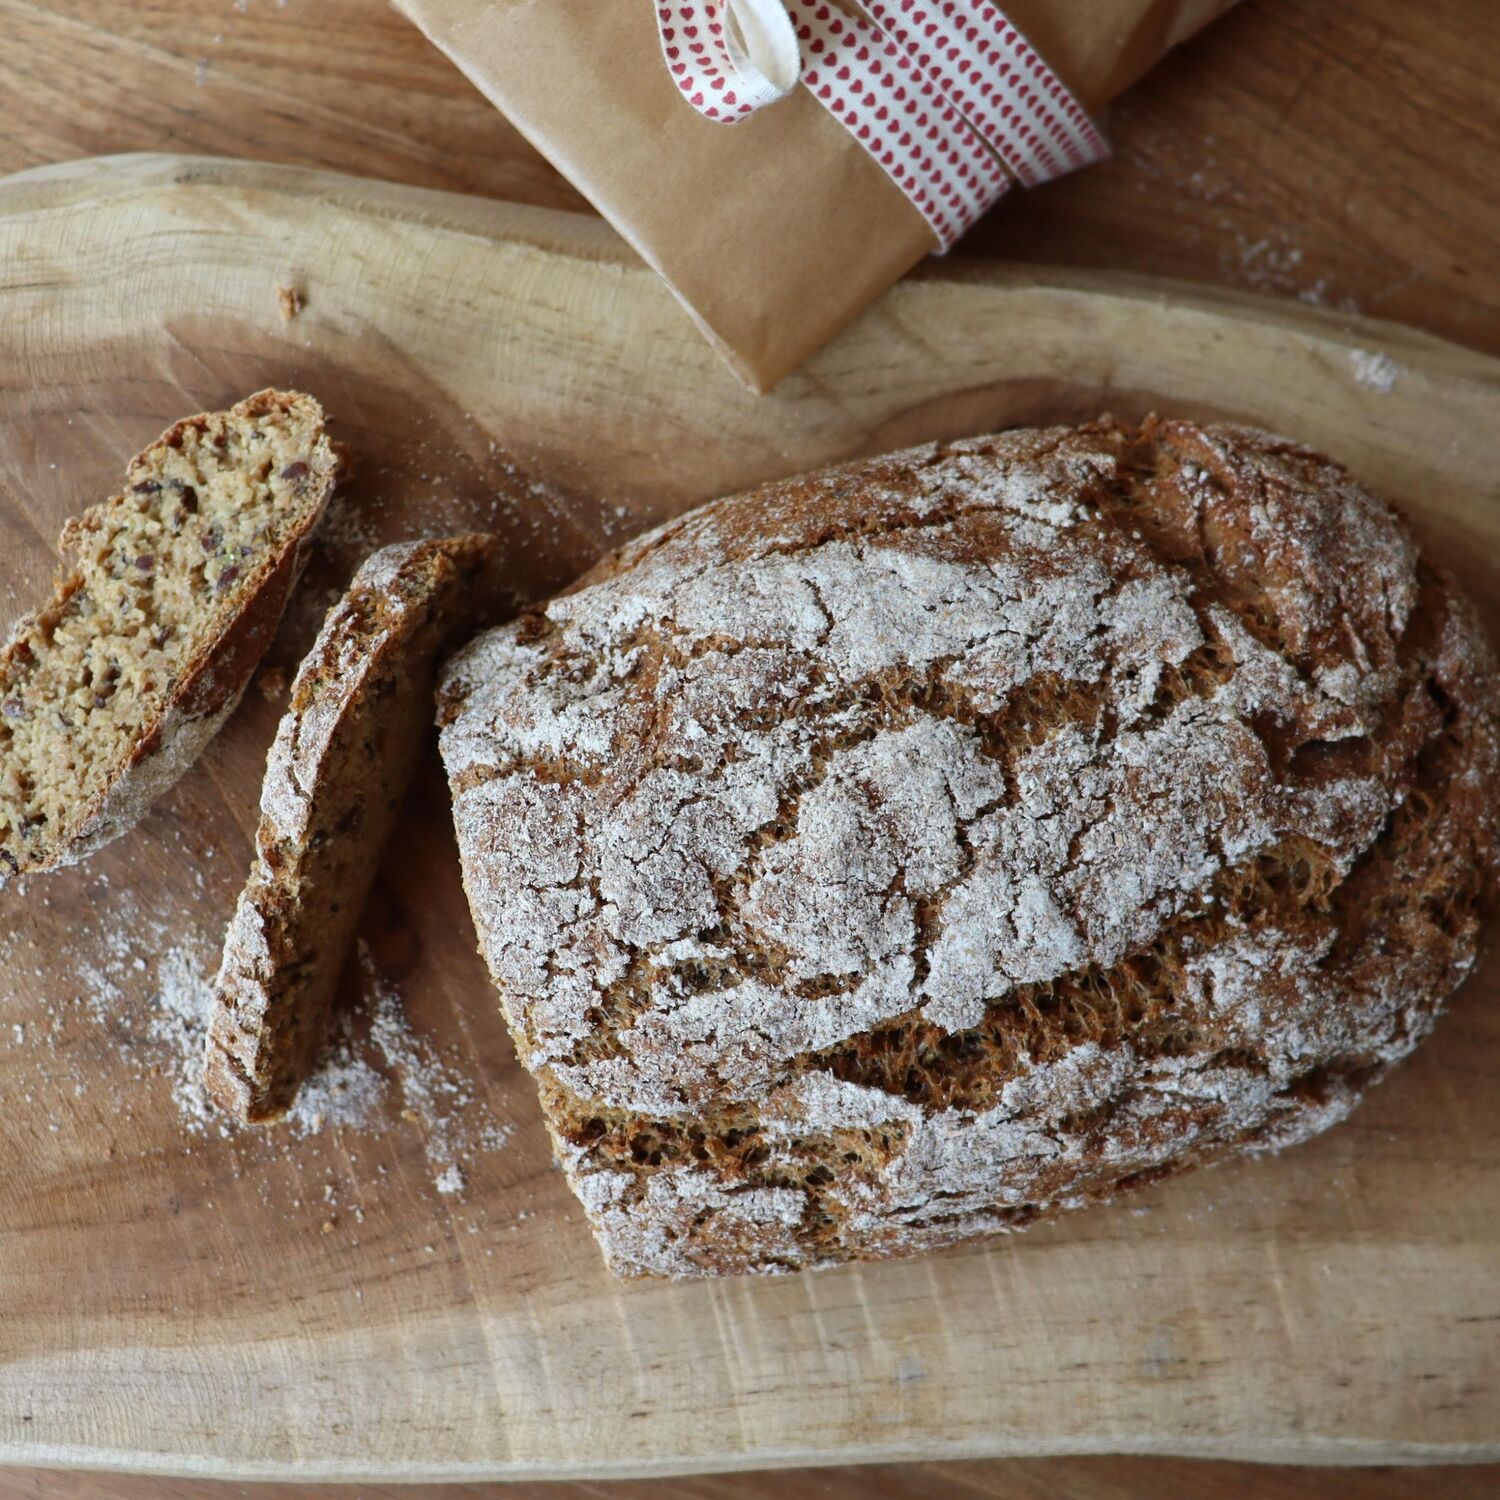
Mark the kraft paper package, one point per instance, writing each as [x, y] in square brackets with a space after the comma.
[773, 232]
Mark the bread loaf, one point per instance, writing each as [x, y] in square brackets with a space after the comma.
[917, 849]
[338, 772]
[171, 593]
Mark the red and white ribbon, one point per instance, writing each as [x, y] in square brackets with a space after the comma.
[946, 95]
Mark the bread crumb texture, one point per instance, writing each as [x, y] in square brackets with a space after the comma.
[917, 849]
[170, 593]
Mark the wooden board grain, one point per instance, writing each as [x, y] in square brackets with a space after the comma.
[1098, 1478]
[315, 1307]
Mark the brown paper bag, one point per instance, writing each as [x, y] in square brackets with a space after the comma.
[774, 232]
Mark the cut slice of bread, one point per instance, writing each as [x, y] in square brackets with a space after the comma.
[335, 780]
[169, 595]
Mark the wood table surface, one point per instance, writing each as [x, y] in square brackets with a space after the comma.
[1346, 152]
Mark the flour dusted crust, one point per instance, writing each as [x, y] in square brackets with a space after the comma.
[336, 777]
[913, 850]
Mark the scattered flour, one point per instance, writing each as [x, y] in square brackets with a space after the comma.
[148, 988]
[179, 1024]
[444, 1104]
[1371, 368]
[349, 529]
[346, 1093]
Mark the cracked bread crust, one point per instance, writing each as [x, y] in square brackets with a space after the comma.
[916, 849]
[336, 777]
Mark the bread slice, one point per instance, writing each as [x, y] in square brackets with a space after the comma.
[169, 596]
[337, 774]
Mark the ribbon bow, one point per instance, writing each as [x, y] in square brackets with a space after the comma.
[946, 95]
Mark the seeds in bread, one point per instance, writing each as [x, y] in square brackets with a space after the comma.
[915, 850]
[338, 772]
[172, 592]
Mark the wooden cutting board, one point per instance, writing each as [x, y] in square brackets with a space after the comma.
[414, 1294]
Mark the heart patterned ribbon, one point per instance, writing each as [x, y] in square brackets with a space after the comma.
[946, 95]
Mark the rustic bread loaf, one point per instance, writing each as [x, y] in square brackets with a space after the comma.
[336, 777]
[172, 592]
[916, 849]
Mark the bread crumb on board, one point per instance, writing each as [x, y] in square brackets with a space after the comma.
[290, 300]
